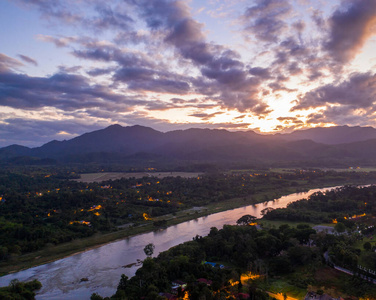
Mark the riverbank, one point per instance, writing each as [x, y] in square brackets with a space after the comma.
[53, 253]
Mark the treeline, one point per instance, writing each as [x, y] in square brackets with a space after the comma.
[41, 207]
[20, 290]
[295, 254]
[242, 249]
[337, 205]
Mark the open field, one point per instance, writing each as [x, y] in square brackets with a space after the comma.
[99, 177]
[291, 170]
[276, 223]
[352, 169]
[280, 287]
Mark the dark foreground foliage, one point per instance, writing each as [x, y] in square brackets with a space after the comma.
[295, 254]
[20, 290]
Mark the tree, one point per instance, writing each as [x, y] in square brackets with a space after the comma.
[367, 246]
[266, 210]
[340, 227]
[245, 220]
[96, 296]
[123, 282]
[149, 249]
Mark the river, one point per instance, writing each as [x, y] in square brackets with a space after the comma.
[103, 266]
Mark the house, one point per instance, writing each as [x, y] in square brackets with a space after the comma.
[214, 265]
[206, 281]
[178, 283]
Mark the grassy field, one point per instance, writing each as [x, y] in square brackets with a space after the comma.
[291, 170]
[353, 169]
[276, 223]
[281, 287]
[99, 177]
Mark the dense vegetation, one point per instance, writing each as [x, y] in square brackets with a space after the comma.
[20, 290]
[43, 207]
[353, 210]
[337, 205]
[253, 260]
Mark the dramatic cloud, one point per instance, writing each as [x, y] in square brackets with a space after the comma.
[63, 91]
[342, 115]
[267, 64]
[33, 133]
[359, 91]
[206, 117]
[265, 20]
[350, 26]
[92, 14]
[226, 74]
[260, 72]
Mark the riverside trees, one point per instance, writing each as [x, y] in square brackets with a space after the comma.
[43, 207]
[244, 250]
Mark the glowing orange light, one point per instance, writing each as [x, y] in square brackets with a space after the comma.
[95, 207]
[232, 282]
[279, 296]
[248, 276]
[355, 216]
[146, 216]
[80, 222]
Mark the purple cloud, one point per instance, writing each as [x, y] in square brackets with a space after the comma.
[359, 91]
[351, 25]
[265, 20]
[204, 116]
[28, 59]
[7, 63]
[224, 75]
[101, 17]
[63, 91]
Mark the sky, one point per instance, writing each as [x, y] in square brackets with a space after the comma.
[72, 66]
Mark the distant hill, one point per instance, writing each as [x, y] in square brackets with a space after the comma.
[332, 135]
[317, 146]
[13, 151]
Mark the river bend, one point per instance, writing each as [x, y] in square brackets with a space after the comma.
[103, 266]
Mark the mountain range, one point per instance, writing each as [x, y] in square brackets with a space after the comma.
[339, 145]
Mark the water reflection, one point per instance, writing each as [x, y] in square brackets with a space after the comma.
[103, 266]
